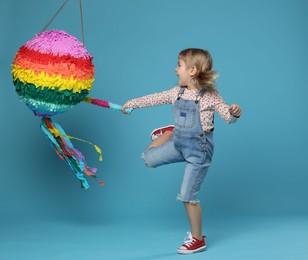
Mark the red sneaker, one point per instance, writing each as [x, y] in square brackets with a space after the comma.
[192, 245]
[160, 131]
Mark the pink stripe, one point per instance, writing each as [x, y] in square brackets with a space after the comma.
[58, 43]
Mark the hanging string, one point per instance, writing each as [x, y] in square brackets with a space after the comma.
[81, 21]
[59, 10]
[54, 16]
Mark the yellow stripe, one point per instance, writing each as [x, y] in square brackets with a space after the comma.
[57, 133]
[55, 81]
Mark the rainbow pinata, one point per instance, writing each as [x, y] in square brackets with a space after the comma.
[52, 73]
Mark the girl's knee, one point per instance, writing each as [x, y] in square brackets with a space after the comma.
[143, 157]
[146, 157]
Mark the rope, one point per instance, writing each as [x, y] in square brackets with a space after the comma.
[54, 16]
[81, 21]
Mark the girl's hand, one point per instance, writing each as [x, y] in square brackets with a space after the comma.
[125, 109]
[235, 110]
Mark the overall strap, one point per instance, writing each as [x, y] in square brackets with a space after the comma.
[199, 96]
[181, 92]
[201, 93]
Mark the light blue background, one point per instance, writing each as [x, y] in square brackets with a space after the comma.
[255, 196]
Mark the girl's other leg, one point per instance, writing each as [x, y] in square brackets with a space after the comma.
[161, 140]
[194, 213]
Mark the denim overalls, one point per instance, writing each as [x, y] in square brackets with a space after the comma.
[189, 144]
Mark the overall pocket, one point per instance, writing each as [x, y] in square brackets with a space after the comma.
[184, 117]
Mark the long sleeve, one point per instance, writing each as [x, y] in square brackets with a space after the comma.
[165, 97]
[210, 103]
[222, 108]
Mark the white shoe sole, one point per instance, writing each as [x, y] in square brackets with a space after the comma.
[187, 252]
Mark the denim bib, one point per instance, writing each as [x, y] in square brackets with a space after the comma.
[187, 121]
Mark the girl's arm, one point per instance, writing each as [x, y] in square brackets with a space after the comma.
[229, 113]
[165, 97]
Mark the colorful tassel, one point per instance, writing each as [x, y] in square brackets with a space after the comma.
[67, 152]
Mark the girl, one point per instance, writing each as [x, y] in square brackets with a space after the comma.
[194, 102]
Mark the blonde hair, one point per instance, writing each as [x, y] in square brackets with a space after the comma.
[202, 60]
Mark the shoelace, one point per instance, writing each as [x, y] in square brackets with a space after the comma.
[189, 239]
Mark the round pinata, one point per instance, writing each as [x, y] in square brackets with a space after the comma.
[52, 72]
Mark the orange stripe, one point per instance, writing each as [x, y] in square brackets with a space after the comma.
[65, 69]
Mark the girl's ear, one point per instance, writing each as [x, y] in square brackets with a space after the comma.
[193, 71]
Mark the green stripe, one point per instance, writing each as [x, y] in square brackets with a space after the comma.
[55, 96]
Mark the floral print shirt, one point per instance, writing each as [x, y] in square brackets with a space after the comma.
[210, 103]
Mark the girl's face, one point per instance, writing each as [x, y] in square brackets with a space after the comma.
[183, 73]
